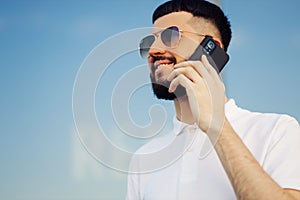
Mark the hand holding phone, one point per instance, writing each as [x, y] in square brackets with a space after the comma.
[216, 56]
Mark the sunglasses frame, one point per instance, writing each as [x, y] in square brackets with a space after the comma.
[144, 50]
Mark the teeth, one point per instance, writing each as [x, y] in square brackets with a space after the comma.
[164, 65]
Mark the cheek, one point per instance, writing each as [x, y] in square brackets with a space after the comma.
[151, 70]
[150, 65]
[186, 48]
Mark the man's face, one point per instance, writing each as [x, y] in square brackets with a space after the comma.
[162, 59]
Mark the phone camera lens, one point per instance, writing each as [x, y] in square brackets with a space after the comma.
[211, 45]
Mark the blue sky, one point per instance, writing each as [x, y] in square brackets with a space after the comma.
[44, 43]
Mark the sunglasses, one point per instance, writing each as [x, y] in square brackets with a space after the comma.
[170, 37]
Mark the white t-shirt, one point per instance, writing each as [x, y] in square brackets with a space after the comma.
[170, 168]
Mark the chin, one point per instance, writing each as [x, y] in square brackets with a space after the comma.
[161, 91]
[161, 67]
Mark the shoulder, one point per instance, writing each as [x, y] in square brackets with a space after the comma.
[262, 131]
[286, 128]
[244, 119]
[270, 122]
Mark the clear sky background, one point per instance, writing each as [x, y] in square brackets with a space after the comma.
[43, 44]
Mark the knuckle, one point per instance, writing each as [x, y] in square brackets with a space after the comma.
[180, 76]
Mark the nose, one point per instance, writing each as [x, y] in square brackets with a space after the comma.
[157, 48]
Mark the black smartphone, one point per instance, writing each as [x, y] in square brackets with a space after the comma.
[217, 57]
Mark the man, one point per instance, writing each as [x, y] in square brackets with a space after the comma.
[254, 155]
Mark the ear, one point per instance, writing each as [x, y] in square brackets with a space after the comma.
[218, 42]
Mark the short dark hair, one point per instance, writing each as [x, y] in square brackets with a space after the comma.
[198, 8]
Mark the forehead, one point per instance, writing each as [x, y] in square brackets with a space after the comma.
[179, 19]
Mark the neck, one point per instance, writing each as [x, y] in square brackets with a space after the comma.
[183, 110]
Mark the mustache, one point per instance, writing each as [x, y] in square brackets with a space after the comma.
[156, 58]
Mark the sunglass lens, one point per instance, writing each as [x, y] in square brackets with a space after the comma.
[170, 36]
[145, 45]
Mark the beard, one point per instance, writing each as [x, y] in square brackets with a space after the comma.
[161, 91]
[160, 88]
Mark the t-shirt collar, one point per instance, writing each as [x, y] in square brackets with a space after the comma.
[179, 126]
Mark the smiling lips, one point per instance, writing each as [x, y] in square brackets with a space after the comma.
[161, 67]
[162, 62]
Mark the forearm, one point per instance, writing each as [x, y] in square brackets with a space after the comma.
[247, 177]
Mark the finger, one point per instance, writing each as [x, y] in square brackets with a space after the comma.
[216, 78]
[211, 70]
[189, 72]
[197, 65]
[182, 64]
[179, 80]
